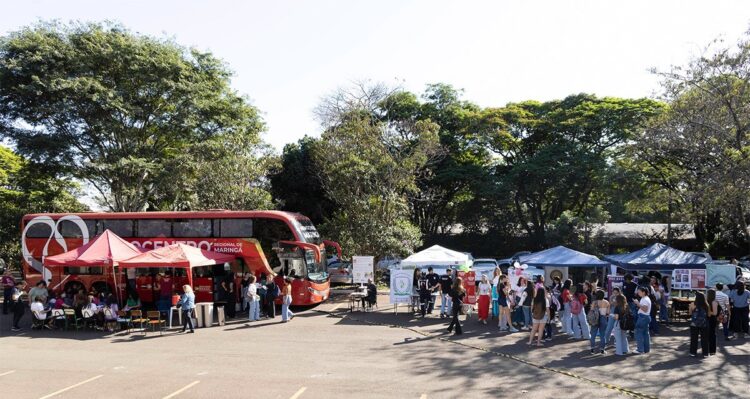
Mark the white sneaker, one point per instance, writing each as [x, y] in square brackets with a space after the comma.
[513, 330]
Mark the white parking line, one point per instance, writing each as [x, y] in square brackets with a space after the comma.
[7, 372]
[299, 393]
[334, 308]
[181, 390]
[71, 387]
[424, 396]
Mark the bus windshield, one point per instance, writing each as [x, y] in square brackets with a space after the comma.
[315, 270]
[306, 229]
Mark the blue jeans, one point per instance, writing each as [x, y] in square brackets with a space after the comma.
[565, 319]
[599, 330]
[610, 327]
[580, 325]
[664, 312]
[642, 338]
[254, 313]
[621, 340]
[445, 304]
[286, 314]
[653, 325]
[526, 316]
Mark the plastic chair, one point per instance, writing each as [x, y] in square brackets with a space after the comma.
[154, 320]
[124, 320]
[136, 318]
[36, 322]
[70, 315]
[110, 320]
[89, 319]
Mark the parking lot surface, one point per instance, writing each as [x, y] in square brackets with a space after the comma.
[328, 352]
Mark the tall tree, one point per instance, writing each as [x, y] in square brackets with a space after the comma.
[553, 155]
[703, 141]
[113, 108]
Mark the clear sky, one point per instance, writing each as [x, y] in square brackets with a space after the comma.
[287, 54]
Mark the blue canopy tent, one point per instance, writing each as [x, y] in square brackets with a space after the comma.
[657, 257]
[562, 257]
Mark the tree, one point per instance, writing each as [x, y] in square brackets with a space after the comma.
[28, 188]
[702, 142]
[296, 182]
[116, 109]
[554, 156]
[368, 169]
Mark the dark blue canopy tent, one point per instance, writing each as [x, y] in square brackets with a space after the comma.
[563, 257]
[657, 257]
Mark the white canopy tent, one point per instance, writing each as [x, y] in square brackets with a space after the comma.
[439, 258]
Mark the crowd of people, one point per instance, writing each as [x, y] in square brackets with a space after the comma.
[585, 311]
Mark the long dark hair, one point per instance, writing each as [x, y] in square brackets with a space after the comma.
[458, 285]
[567, 284]
[700, 301]
[621, 305]
[740, 287]
[665, 283]
[711, 296]
[529, 289]
[540, 300]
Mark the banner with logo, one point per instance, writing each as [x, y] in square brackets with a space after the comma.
[470, 286]
[401, 285]
[724, 274]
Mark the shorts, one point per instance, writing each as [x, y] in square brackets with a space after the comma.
[543, 320]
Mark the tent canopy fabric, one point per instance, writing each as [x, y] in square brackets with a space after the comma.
[177, 255]
[561, 256]
[106, 249]
[437, 256]
[657, 257]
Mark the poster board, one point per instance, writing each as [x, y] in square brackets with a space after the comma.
[401, 286]
[698, 279]
[362, 268]
[614, 282]
[470, 286]
[681, 279]
[724, 274]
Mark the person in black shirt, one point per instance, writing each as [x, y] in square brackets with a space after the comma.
[457, 298]
[433, 282]
[628, 290]
[446, 282]
[423, 289]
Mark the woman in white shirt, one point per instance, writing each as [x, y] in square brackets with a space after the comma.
[484, 299]
[642, 338]
[253, 300]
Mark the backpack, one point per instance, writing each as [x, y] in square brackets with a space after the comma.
[699, 319]
[627, 322]
[593, 316]
[576, 306]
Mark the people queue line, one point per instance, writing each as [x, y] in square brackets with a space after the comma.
[583, 311]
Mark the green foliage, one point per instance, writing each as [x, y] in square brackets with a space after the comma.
[117, 109]
[28, 188]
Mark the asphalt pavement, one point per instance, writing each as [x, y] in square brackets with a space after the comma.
[329, 352]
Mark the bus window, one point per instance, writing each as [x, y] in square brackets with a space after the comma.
[234, 228]
[39, 230]
[70, 229]
[192, 228]
[121, 227]
[152, 228]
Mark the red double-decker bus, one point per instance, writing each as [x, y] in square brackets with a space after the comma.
[264, 242]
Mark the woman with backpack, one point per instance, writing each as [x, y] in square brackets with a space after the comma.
[457, 299]
[623, 324]
[597, 317]
[540, 315]
[699, 325]
[713, 312]
[565, 298]
[579, 324]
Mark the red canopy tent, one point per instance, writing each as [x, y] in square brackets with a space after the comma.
[177, 255]
[107, 249]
